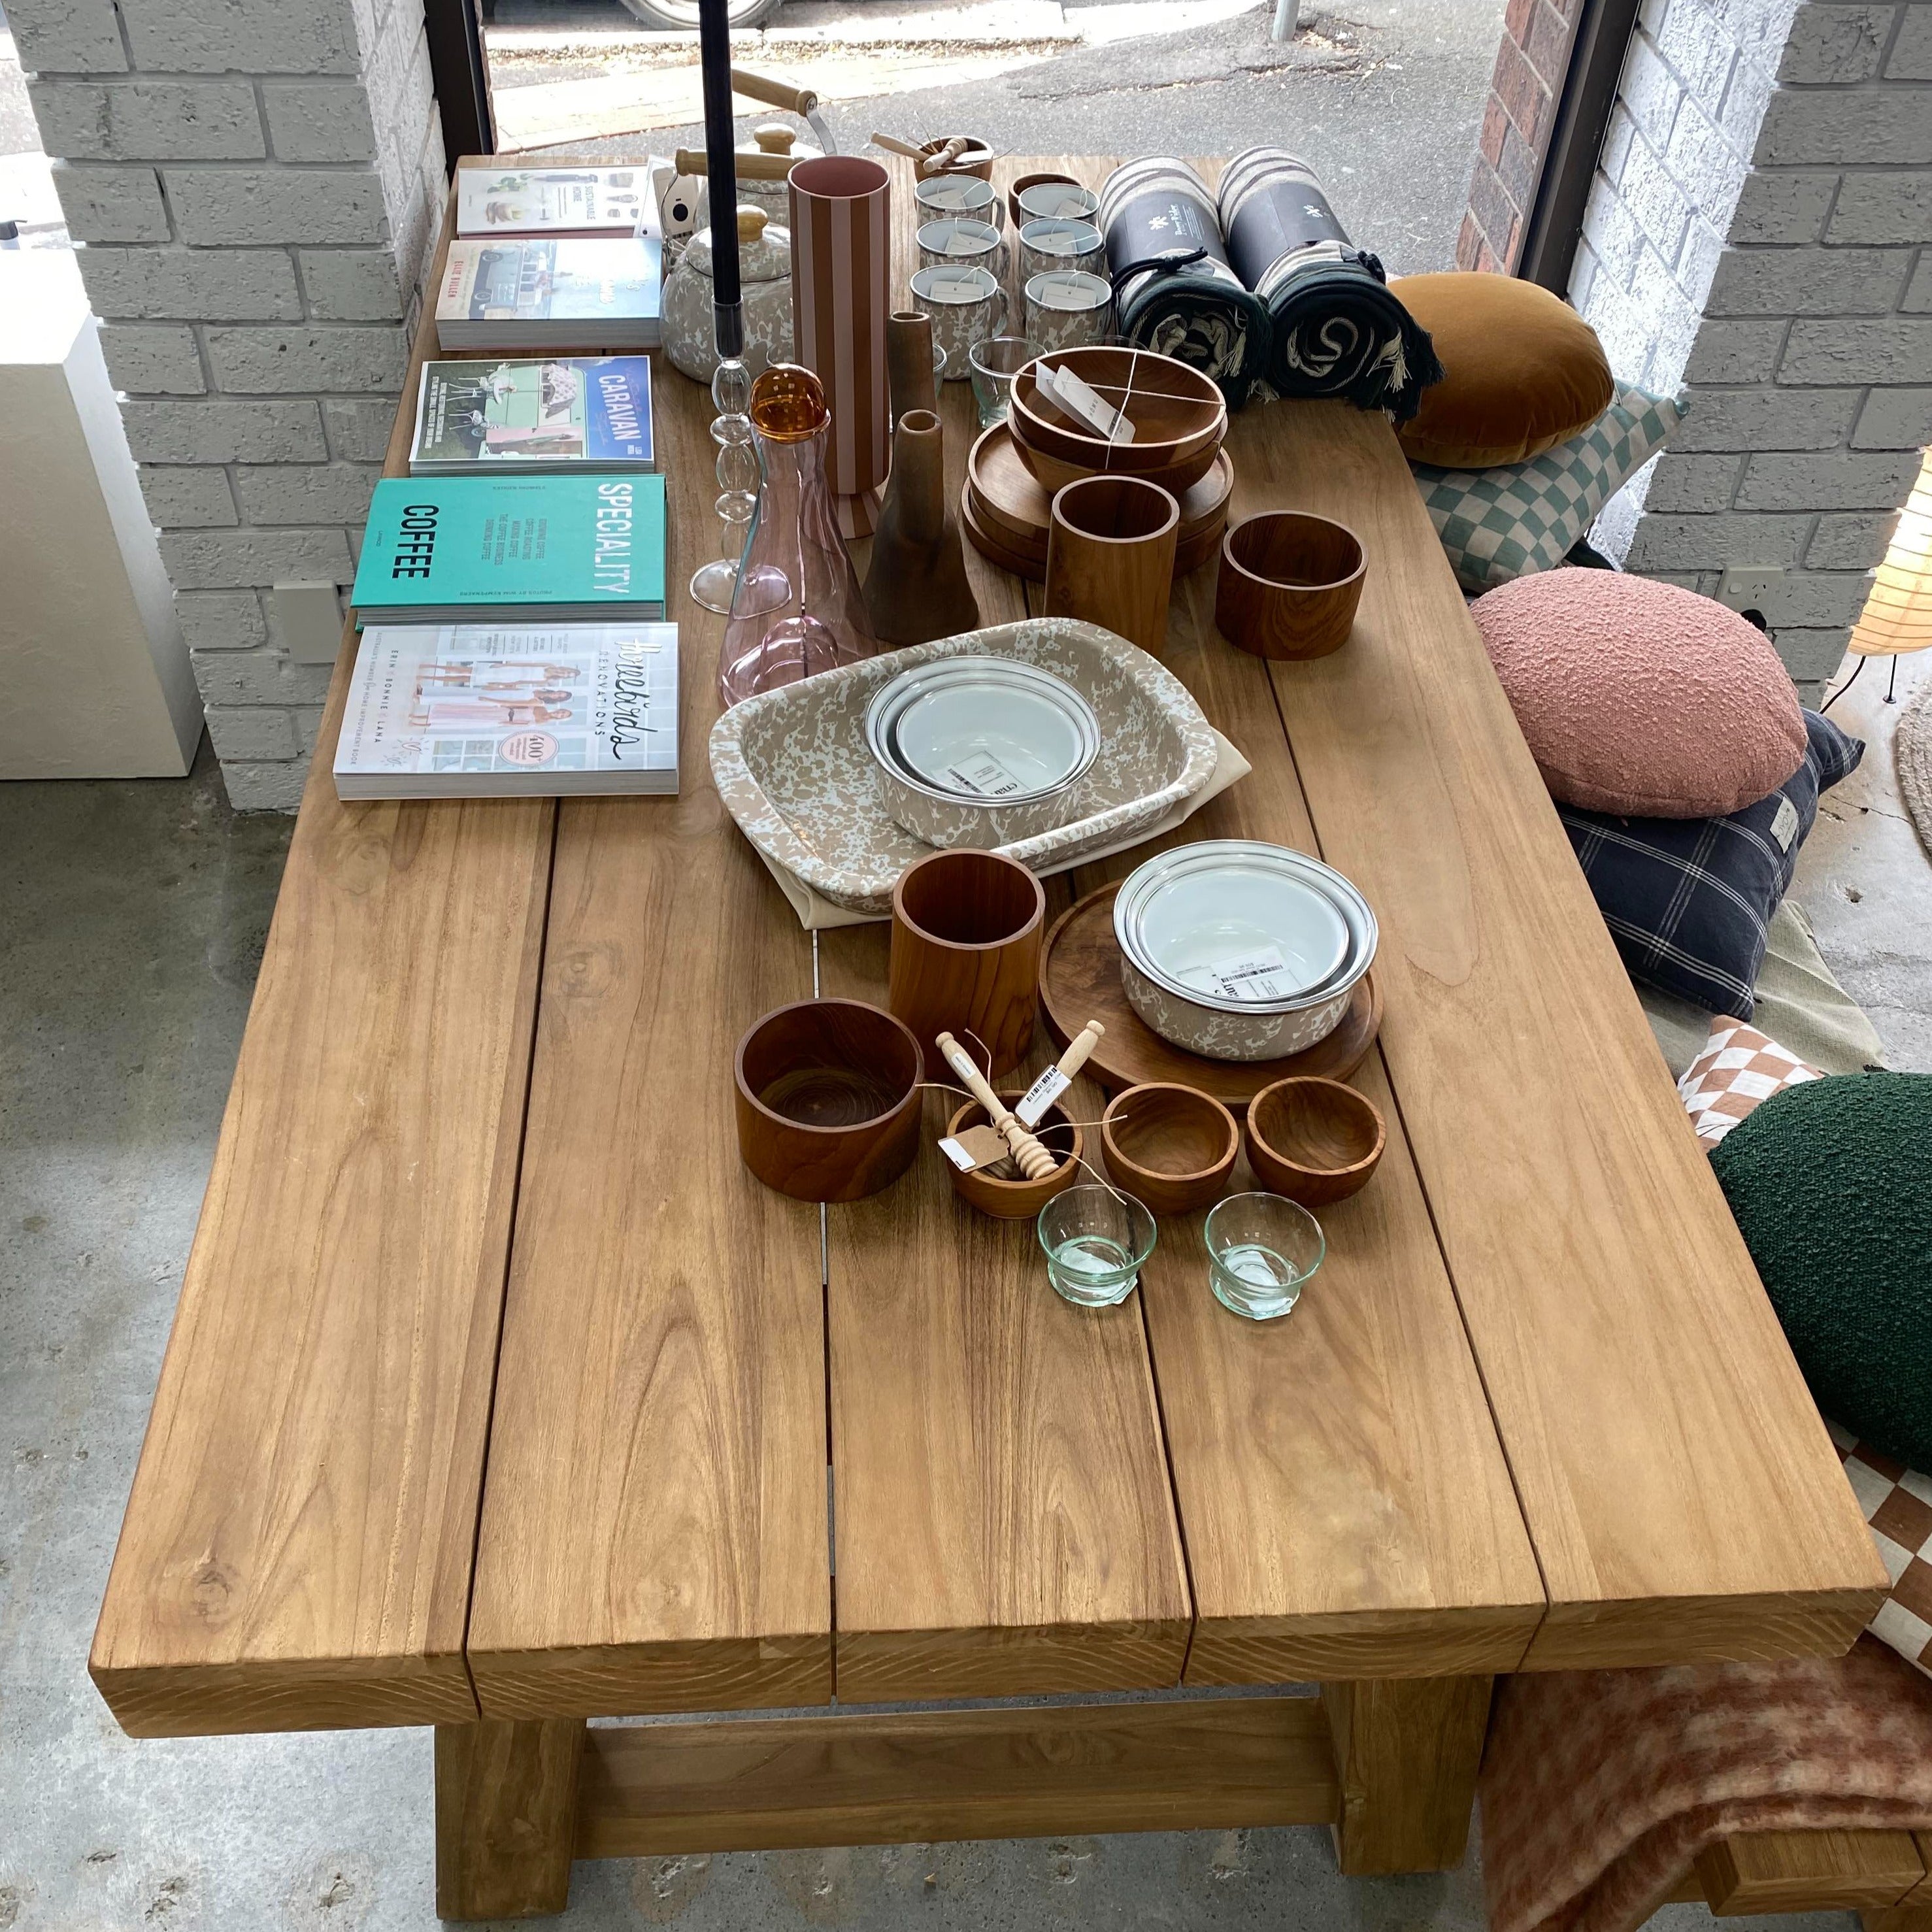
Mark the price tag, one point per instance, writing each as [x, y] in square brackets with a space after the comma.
[957, 244]
[978, 1146]
[1262, 974]
[1032, 1106]
[980, 772]
[1070, 207]
[1784, 824]
[957, 1154]
[1093, 408]
[962, 287]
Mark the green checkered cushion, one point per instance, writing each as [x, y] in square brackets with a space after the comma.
[1498, 525]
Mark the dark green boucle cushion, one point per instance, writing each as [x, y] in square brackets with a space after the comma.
[1831, 1183]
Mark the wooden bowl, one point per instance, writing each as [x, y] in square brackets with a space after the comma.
[1019, 188]
[1289, 586]
[1054, 471]
[1177, 411]
[1019, 1199]
[1173, 1146]
[1316, 1141]
[977, 158]
[828, 1099]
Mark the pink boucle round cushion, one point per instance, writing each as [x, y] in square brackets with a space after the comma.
[1641, 699]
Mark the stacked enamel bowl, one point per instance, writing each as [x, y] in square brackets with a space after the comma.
[1180, 419]
[1240, 950]
[981, 750]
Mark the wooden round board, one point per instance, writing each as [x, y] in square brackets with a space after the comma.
[1080, 980]
[990, 548]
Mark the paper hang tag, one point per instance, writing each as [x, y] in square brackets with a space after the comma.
[957, 244]
[1086, 403]
[1262, 974]
[1032, 1106]
[1784, 824]
[981, 773]
[976, 1147]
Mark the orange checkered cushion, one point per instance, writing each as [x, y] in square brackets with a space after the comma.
[1738, 1067]
[1898, 1504]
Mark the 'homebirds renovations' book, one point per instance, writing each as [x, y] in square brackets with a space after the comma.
[563, 416]
[447, 550]
[487, 711]
[508, 295]
[553, 201]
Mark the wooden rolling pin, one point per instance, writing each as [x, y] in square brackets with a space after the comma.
[1035, 1160]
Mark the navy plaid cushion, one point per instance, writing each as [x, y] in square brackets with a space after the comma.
[1689, 901]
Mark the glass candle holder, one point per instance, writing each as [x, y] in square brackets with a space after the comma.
[1261, 1250]
[1095, 1241]
[996, 362]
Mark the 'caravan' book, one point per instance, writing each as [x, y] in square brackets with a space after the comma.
[506, 711]
[447, 550]
[562, 415]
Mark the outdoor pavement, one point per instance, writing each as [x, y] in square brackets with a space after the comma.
[132, 919]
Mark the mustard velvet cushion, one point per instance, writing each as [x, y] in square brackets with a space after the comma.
[1641, 699]
[1523, 371]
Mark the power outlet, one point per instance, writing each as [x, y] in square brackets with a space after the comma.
[1753, 587]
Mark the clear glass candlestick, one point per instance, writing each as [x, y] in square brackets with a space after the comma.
[711, 585]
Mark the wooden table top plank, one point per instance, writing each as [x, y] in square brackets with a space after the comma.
[296, 1550]
[1683, 1498]
[654, 1528]
[1004, 1523]
[1344, 1501]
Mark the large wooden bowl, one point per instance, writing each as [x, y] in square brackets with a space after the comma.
[1178, 413]
[1173, 1146]
[1019, 1199]
[1316, 1141]
[828, 1099]
[1054, 472]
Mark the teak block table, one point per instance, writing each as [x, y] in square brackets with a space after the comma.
[500, 1397]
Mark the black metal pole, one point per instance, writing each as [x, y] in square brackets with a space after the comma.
[714, 49]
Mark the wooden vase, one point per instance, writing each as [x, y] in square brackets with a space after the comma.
[1110, 556]
[910, 376]
[841, 254]
[967, 926]
[915, 586]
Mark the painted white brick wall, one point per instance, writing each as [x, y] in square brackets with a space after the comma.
[1756, 237]
[255, 187]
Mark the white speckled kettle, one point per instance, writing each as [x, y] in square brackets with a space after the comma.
[764, 273]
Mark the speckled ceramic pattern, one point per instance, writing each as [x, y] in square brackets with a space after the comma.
[1222, 1035]
[794, 768]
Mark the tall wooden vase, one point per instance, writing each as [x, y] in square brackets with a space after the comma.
[916, 588]
[841, 256]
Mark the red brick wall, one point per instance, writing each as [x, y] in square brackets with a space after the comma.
[1529, 69]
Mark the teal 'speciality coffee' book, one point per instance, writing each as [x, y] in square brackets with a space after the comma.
[494, 549]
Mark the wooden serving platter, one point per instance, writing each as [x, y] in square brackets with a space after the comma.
[1080, 980]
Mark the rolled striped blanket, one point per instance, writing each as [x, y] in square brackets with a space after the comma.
[1335, 327]
[1173, 290]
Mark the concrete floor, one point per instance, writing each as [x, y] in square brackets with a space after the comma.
[133, 918]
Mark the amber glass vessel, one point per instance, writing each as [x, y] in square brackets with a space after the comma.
[796, 611]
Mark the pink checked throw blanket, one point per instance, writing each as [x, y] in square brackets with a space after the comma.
[1600, 1787]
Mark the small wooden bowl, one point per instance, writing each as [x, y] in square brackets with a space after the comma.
[1019, 188]
[977, 158]
[1316, 1141]
[828, 1099]
[1290, 582]
[1018, 1200]
[1173, 1146]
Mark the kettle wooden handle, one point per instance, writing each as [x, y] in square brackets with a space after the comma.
[749, 166]
[800, 100]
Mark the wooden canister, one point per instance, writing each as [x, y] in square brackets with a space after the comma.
[1110, 549]
[841, 256]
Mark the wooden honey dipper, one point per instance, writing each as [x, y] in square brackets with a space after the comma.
[1034, 1159]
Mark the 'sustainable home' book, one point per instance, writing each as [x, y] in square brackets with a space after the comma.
[498, 200]
[535, 295]
[504, 550]
[525, 710]
[533, 417]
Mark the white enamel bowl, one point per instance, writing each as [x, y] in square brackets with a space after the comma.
[1241, 950]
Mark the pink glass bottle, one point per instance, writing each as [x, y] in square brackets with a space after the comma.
[797, 609]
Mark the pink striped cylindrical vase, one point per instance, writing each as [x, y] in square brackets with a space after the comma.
[841, 255]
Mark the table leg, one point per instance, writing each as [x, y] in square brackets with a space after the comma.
[1406, 1752]
[505, 1816]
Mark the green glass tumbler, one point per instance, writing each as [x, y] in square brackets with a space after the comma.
[1261, 1250]
[1096, 1239]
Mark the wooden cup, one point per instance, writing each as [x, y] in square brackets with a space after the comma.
[1110, 549]
[1173, 1146]
[1316, 1141]
[967, 927]
[1290, 582]
[1014, 1198]
[828, 1099]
